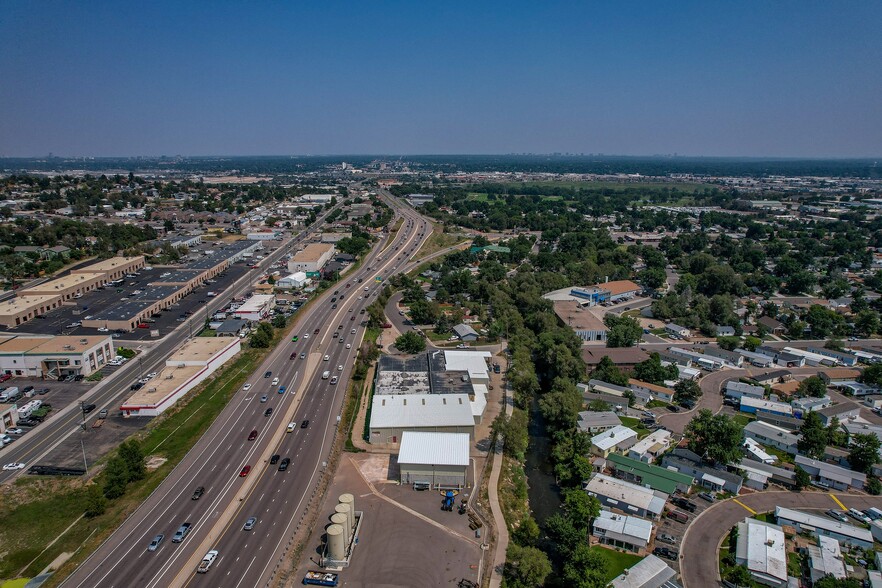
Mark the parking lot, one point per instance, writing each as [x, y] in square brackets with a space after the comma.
[59, 394]
[668, 526]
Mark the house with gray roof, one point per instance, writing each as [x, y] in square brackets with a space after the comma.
[828, 475]
[465, 332]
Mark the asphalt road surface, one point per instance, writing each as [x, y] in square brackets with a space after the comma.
[275, 498]
[110, 392]
[699, 565]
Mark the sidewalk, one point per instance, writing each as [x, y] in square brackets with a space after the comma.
[493, 494]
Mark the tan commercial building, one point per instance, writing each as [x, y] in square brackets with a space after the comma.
[312, 259]
[37, 356]
[115, 267]
[189, 366]
[21, 309]
[69, 286]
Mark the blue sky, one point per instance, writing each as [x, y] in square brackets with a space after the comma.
[799, 79]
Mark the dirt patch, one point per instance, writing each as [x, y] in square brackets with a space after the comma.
[378, 468]
[154, 462]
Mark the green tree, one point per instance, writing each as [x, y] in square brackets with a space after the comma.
[525, 567]
[96, 503]
[728, 343]
[566, 535]
[864, 452]
[410, 342]
[423, 312]
[586, 568]
[740, 576]
[527, 532]
[262, 337]
[607, 371]
[581, 508]
[867, 322]
[652, 370]
[873, 486]
[812, 386]
[751, 343]
[599, 405]
[872, 374]
[687, 390]
[624, 331]
[116, 476]
[831, 582]
[813, 436]
[803, 479]
[717, 438]
[130, 452]
[280, 321]
[514, 430]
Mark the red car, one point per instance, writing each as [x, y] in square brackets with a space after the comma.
[5, 377]
[244, 471]
[143, 326]
[253, 435]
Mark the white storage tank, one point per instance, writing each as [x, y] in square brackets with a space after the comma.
[336, 543]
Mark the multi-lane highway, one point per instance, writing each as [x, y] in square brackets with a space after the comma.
[276, 498]
[35, 446]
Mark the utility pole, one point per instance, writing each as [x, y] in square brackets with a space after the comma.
[82, 434]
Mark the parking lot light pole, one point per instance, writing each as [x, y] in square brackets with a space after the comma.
[141, 368]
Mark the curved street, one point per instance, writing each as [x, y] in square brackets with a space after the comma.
[699, 566]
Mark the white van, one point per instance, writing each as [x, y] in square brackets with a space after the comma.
[325, 375]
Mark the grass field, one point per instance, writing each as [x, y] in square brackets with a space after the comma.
[438, 241]
[636, 425]
[40, 510]
[618, 561]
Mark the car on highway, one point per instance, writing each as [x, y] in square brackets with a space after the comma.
[245, 471]
[249, 524]
[327, 357]
[340, 367]
[268, 412]
[316, 332]
[291, 427]
[198, 492]
[267, 374]
[11, 467]
[252, 435]
[263, 398]
[348, 346]
[154, 545]
[294, 339]
[282, 389]
[182, 532]
[333, 380]
[304, 424]
[275, 382]
[293, 355]
[275, 459]
[306, 335]
[283, 465]
[87, 408]
[303, 355]
[246, 387]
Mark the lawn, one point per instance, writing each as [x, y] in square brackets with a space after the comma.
[636, 425]
[438, 241]
[618, 561]
[742, 420]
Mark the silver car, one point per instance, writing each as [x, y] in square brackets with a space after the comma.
[249, 524]
[155, 543]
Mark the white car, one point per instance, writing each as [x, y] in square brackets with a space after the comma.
[306, 336]
[103, 329]
[340, 367]
[15, 431]
[348, 346]
[13, 466]
[151, 375]
[327, 357]
[246, 387]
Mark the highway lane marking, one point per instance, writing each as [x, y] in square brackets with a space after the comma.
[747, 508]
[836, 500]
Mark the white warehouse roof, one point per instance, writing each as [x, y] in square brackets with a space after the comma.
[255, 303]
[612, 437]
[824, 523]
[429, 448]
[421, 410]
[473, 362]
[624, 525]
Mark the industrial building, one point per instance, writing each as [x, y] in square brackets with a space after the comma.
[622, 531]
[607, 292]
[821, 525]
[114, 268]
[256, 308]
[37, 356]
[760, 548]
[312, 258]
[391, 415]
[583, 322]
[296, 280]
[626, 497]
[187, 367]
[434, 460]
[21, 309]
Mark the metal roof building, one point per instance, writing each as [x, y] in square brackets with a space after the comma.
[619, 437]
[819, 525]
[626, 497]
[622, 531]
[392, 415]
[598, 421]
[439, 460]
[761, 549]
[825, 559]
[650, 572]
[651, 476]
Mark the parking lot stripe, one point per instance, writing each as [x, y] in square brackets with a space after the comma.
[738, 502]
[842, 506]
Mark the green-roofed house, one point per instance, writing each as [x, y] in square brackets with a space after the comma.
[490, 248]
[655, 477]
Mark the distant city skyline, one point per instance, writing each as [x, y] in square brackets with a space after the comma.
[713, 79]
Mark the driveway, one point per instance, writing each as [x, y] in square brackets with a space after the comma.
[700, 546]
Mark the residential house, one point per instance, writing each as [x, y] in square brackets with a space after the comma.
[677, 330]
[833, 376]
[760, 548]
[651, 447]
[619, 438]
[735, 389]
[657, 392]
[638, 472]
[756, 359]
[598, 422]
[773, 377]
[773, 326]
[725, 331]
[687, 462]
[782, 358]
[465, 332]
[822, 525]
[842, 357]
[757, 452]
[772, 436]
[649, 572]
[752, 405]
[758, 475]
[842, 412]
[828, 475]
[730, 358]
[825, 559]
[808, 404]
[622, 531]
[626, 497]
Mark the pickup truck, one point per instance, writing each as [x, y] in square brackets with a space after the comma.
[207, 561]
[320, 579]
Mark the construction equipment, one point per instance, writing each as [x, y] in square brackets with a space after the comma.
[449, 499]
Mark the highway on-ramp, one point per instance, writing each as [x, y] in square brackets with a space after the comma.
[276, 498]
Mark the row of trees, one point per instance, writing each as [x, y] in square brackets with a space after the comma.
[123, 468]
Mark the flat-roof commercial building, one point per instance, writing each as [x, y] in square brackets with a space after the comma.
[434, 460]
[21, 309]
[114, 268]
[626, 497]
[583, 322]
[821, 525]
[312, 259]
[391, 416]
[256, 308]
[37, 356]
[187, 367]
[760, 548]
[69, 286]
[622, 531]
